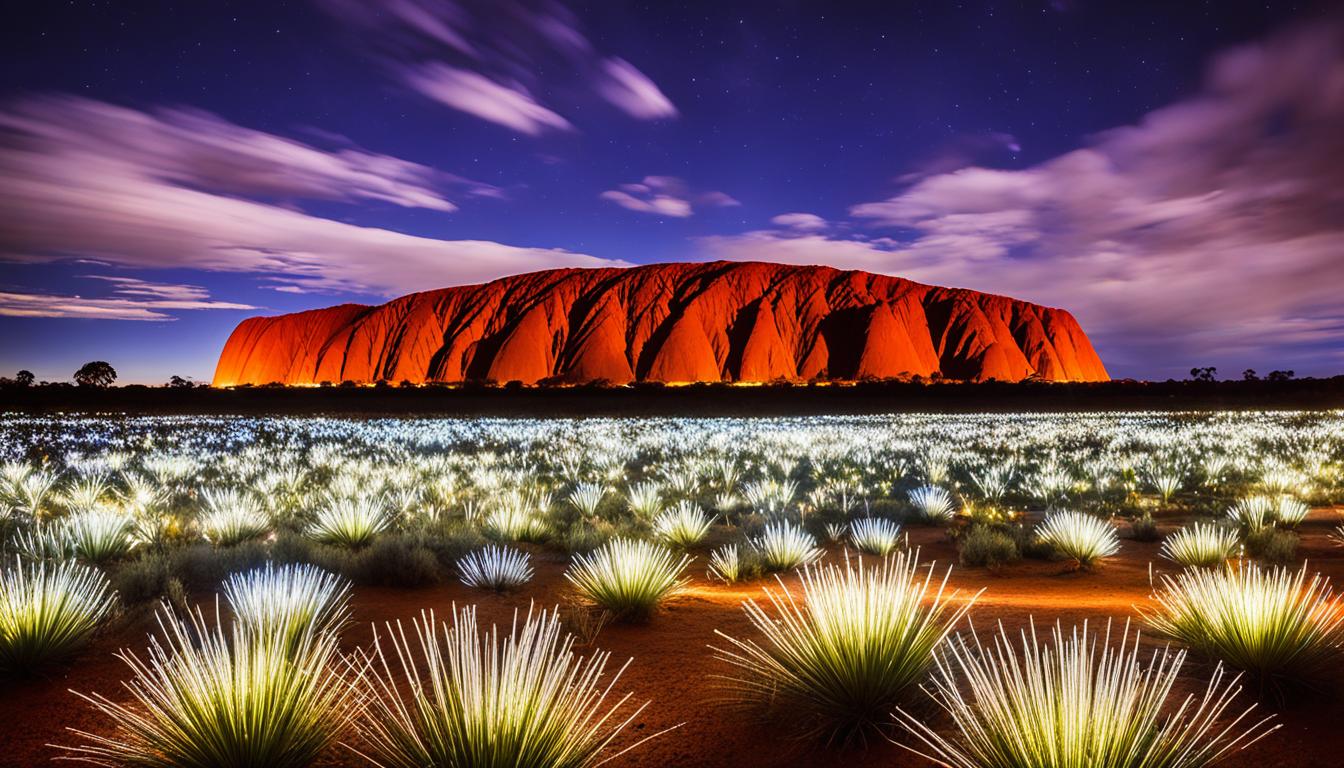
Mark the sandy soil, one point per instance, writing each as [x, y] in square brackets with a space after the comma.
[672, 667]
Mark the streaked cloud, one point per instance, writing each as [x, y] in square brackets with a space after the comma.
[130, 299]
[508, 105]
[803, 222]
[1211, 231]
[666, 196]
[491, 58]
[174, 189]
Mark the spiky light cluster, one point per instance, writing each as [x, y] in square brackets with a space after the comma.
[1273, 623]
[48, 610]
[1252, 513]
[457, 696]
[289, 600]
[1079, 536]
[1290, 511]
[932, 504]
[875, 536]
[587, 497]
[231, 517]
[627, 577]
[495, 567]
[684, 525]
[210, 696]
[99, 535]
[837, 660]
[1201, 545]
[644, 499]
[349, 522]
[725, 564]
[1079, 701]
[784, 546]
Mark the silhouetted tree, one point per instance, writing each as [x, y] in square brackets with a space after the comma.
[1203, 374]
[24, 378]
[1280, 375]
[177, 382]
[95, 374]
[1249, 375]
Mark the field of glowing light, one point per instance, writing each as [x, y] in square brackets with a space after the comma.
[971, 591]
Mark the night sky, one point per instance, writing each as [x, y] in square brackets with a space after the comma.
[1172, 173]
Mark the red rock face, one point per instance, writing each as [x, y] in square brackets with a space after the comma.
[720, 321]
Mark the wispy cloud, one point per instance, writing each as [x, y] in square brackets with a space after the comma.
[666, 196]
[90, 180]
[509, 105]
[130, 299]
[1210, 232]
[489, 59]
[802, 222]
[632, 91]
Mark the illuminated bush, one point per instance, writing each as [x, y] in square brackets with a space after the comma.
[629, 578]
[232, 517]
[47, 610]
[456, 696]
[1079, 701]
[1290, 511]
[210, 697]
[731, 564]
[495, 567]
[289, 600]
[783, 547]
[1079, 536]
[1252, 513]
[685, 525]
[1270, 622]
[875, 536]
[349, 523]
[836, 660]
[99, 535]
[933, 505]
[1201, 544]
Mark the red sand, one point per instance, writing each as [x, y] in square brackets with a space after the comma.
[672, 664]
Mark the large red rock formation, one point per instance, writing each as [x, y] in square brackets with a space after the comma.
[721, 321]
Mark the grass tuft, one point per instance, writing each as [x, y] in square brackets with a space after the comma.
[1201, 545]
[495, 567]
[1079, 701]
[454, 696]
[47, 610]
[207, 697]
[837, 660]
[628, 578]
[1272, 623]
[1079, 536]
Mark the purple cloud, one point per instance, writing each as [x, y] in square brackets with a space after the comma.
[1211, 232]
[170, 189]
[802, 222]
[130, 299]
[633, 92]
[666, 196]
[509, 106]
[487, 58]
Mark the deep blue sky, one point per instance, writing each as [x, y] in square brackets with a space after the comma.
[758, 110]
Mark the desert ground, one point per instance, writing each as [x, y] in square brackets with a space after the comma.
[673, 668]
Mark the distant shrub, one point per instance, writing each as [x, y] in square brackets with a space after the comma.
[988, 547]
[1144, 528]
[142, 580]
[201, 566]
[394, 560]
[1272, 545]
